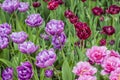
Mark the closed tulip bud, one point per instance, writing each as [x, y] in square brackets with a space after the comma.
[36, 4]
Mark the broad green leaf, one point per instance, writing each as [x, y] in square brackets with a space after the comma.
[66, 71]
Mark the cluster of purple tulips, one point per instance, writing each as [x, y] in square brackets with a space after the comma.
[45, 58]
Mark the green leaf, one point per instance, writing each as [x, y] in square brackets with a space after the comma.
[42, 74]
[66, 71]
[6, 62]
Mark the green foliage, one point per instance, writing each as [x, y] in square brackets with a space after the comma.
[70, 54]
[66, 71]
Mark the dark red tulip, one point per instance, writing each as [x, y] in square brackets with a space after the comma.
[91, 62]
[83, 0]
[83, 32]
[109, 30]
[77, 25]
[52, 5]
[102, 42]
[73, 19]
[36, 4]
[60, 2]
[97, 11]
[113, 9]
[69, 14]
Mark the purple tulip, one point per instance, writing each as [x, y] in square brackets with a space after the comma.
[112, 42]
[23, 6]
[28, 47]
[54, 27]
[58, 41]
[7, 74]
[25, 71]
[5, 28]
[4, 41]
[45, 58]
[19, 37]
[10, 5]
[34, 20]
[48, 73]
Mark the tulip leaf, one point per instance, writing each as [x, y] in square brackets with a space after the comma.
[66, 71]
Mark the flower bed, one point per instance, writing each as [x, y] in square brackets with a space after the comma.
[59, 40]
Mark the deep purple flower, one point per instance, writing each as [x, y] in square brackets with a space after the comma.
[52, 5]
[28, 47]
[58, 41]
[7, 74]
[102, 42]
[5, 28]
[48, 73]
[83, 30]
[60, 2]
[83, 0]
[45, 58]
[36, 4]
[54, 27]
[23, 6]
[97, 11]
[91, 62]
[10, 5]
[112, 42]
[19, 37]
[25, 71]
[45, 36]
[34, 20]
[68, 14]
[113, 9]
[108, 30]
[73, 19]
[4, 41]
[77, 25]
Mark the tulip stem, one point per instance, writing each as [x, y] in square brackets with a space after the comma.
[63, 54]
[57, 72]
[82, 44]
[37, 35]
[42, 74]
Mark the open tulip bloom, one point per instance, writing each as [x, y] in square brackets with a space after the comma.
[59, 39]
